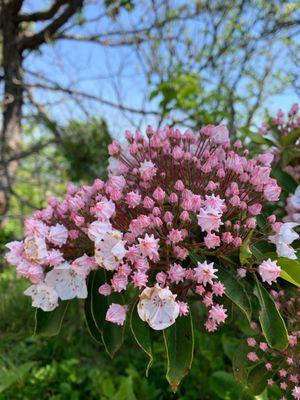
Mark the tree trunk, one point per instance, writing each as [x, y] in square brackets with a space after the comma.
[13, 99]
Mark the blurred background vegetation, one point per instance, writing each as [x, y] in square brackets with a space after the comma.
[74, 74]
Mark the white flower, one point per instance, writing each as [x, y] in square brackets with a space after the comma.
[35, 249]
[58, 235]
[295, 199]
[97, 230]
[67, 281]
[43, 296]
[158, 307]
[110, 250]
[283, 238]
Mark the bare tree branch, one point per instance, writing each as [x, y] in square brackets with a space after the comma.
[31, 42]
[43, 15]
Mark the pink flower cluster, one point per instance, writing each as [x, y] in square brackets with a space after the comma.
[284, 366]
[168, 194]
[284, 123]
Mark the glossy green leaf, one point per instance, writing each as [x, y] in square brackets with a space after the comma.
[112, 334]
[235, 291]
[113, 337]
[49, 323]
[284, 179]
[179, 342]
[272, 323]
[141, 333]
[89, 320]
[258, 377]
[290, 270]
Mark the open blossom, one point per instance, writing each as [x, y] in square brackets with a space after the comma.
[269, 271]
[116, 314]
[43, 296]
[35, 249]
[67, 282]
[283, 238]
[97, 230]
[293, 207]
[110, 251]
[158, 307]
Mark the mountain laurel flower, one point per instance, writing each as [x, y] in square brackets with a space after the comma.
[169, 194]
[209, 220]
[252, 356]
[43, 296]
[110, 252]
[58, 235]
[217, 313]
[269, 271]
[176, 273]
[116, 314]
[205, 273]
[283, 239]
[147, 170]
[157, 307]
[183, 308]
[105, 289]
[67, 283]
[35, 249]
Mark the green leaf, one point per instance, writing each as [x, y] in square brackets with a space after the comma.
[89, 320]
[112, 334]
[290, 270]
[272, 323]
[14, 375]
[284, 179]
[240, 363]
[125, 391]
[49, 323]
[245, 252]
[258, 377]
[179, 342]
[235, 291]
[141, 333]
[292, 137]
[224, 386]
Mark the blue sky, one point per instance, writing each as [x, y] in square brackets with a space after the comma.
[99, 70]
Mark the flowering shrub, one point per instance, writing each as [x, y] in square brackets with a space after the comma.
[280, 367]
[179, 220]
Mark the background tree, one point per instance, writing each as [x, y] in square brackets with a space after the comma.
[164, 61]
